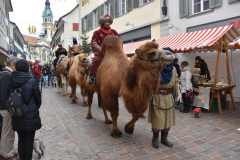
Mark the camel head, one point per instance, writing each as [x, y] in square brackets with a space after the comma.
[75, 50]
[111, 45]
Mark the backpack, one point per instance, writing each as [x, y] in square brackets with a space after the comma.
[16, 103]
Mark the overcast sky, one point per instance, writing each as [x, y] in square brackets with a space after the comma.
[29, 12]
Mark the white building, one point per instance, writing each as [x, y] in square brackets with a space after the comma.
[135, 20]
[5, 8]
[67, 29]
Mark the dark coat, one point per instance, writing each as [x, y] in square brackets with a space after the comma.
[60, 51]
[31, 93]
[5, 87]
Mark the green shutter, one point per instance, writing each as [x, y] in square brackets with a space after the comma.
[184, 8]
[135, 3]
[129, 5]
[215, 3]
[232, 1]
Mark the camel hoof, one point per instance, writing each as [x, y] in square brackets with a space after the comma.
[108, 121]
[89, 116]
[116, 134]
[129, 130]
[74, 101]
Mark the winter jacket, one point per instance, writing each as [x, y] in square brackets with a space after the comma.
[30, 91]
[5, 87]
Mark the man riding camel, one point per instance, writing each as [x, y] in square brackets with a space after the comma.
[75, 49]
[60, 51]
[96, 43]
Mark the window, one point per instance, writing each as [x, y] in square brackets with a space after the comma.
[143, 2]
[95, 19]
[200, 6]
[122, 7]
[84, 24]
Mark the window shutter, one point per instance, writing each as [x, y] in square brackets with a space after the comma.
[184, 8]
[232, 1]
[129, 5]
[135, 3]
[116, 8]
[215, 3]
[112, 8]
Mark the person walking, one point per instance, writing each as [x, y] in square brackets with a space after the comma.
[186, 87]
[161, 110]
[7, 133]
[30, 122]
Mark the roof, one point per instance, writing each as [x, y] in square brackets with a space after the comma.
[47, 12]
[189, 41]
[31, 40]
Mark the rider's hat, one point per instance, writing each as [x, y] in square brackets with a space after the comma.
[104, 19]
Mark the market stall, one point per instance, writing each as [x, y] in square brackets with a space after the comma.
[212, 39]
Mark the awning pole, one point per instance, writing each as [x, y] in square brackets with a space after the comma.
[229, 77]
[218, 49]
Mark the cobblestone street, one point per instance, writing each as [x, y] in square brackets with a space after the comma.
[69, 136]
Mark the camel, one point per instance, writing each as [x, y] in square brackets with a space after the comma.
[77, 75]
[62, 72]
[135, 80]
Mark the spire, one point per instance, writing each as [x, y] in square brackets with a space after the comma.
[47, 12]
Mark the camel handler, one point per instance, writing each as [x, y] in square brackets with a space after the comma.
[60, 51]
[75, 49]
[96, 43]
[161, 110]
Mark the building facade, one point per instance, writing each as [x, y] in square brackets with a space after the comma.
[17, 44]
[135, 20]
[38, 49]
[67, 28]
[5, 8]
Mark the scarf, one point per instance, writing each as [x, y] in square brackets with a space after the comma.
[107, 31]
[166, 74]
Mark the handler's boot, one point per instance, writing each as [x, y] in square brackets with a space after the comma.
[164, 138]
[155, 139]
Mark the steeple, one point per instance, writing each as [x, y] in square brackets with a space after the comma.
[47, 12]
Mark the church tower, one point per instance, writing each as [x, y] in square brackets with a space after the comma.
[47, 25]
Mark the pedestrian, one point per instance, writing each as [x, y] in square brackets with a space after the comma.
[96, 43]
[36, 70]
[7, 133]
[186, 87]
[60, 51]
[30, 122]
[204, 71]
[161, 110]
[177, 67]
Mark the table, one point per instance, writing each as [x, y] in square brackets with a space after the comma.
[216, 91]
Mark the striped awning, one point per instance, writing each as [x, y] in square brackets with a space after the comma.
[189, 41]
[203, 39]
[129, 48]
[235, 44]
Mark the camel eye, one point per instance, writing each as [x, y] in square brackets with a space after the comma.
[151, 55]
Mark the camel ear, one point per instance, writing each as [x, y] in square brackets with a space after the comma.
[138, 51]
[131, 78]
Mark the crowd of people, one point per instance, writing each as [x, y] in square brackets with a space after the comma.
[20, 101]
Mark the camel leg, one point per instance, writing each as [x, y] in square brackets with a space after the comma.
[74, 99]
[107, 120]
[90, 98]
[116, 133]
[99, 100]
[129, 127]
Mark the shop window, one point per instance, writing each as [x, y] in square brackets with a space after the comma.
[200, 6]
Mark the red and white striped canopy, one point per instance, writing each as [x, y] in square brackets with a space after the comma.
[130, 48]
[189, 41]
[235, 44]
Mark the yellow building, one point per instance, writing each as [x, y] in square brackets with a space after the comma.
[135, 20]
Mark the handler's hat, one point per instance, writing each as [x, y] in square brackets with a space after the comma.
[104, 19]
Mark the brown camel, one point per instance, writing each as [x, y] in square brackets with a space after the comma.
[134, 80]
[62, 72]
